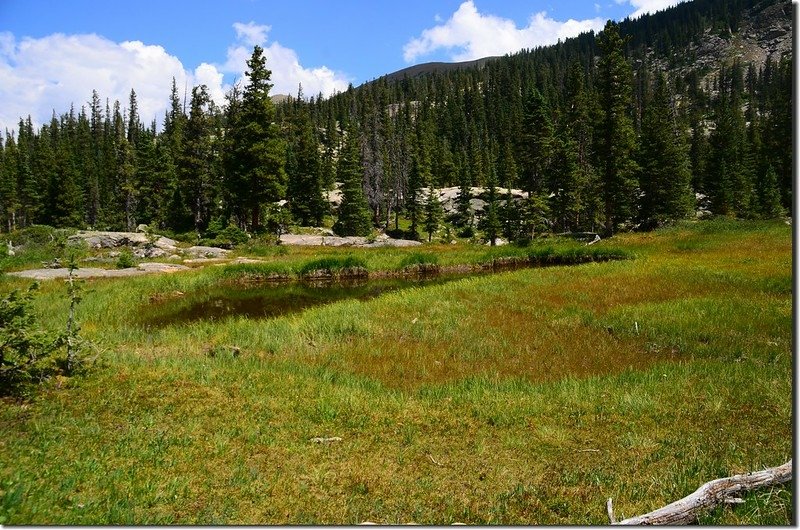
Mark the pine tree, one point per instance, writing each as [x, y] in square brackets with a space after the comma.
[433, 211]
[490, 222]
[464, 217]
[304, 189]
[416, 180]
[195, 163]
[665, 177]
[66, 199]
[8, 183]
[256, 154]
[617, 136]
[537, 143]
[354, 218]
[769, 195]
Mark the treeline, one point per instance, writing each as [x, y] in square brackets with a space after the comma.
[599, 135]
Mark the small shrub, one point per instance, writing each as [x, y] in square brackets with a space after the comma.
[349, 265]
[467, 232]
[28, 354]
[419, 258]
[126, 259]
[231, 236]
[38, 235]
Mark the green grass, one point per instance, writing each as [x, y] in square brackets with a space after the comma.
[526, 397]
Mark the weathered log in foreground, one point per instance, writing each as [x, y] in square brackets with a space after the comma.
[709, 495]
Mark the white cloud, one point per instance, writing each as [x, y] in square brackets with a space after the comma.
[251, 33]
[287, 72]
[648, 6]
[39, 75]
[469, 34]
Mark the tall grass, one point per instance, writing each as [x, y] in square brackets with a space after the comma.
[527, 397]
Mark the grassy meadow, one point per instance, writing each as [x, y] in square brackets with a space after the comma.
[523, 397]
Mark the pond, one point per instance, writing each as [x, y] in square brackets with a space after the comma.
[267, 300]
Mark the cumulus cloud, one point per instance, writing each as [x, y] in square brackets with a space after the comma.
[40, 75]
[469, 34]
[643, 7]
[651, 6]
[287, 72]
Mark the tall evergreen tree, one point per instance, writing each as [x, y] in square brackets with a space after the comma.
[433, 211]
[8, 183]
[304, 189]
[490, 221]
[665, 177]
[354, 217]
[256, 157]
[617, 136]
[195, 163]
[769, 195]
[538, 139]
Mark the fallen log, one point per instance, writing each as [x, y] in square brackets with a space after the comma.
[708, 496]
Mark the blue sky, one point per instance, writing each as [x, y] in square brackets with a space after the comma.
[53, 53]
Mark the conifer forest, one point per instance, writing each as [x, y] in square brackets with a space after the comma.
[616, 131]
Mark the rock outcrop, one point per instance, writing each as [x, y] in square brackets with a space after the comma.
[206, 252]
[101, 239]
[89, 272]
[348, 241]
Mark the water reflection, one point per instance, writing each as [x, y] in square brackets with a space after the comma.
[271, 300]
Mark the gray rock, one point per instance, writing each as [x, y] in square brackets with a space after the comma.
[206, 252]
[88, 272]
[150, 252]
[165, 243]
[99, 239]
[161, 267]
[381, 240]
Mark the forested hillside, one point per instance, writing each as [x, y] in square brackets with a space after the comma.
[640, 125]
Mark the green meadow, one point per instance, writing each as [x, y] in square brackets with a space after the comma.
[637, 368]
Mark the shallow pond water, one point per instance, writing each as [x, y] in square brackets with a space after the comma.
[266, 300]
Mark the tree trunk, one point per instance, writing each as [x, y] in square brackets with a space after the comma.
[710, 494]
[256, 214]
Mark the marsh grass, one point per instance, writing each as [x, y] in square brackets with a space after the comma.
[527, 397]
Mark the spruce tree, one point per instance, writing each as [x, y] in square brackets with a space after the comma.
[304, 190]
[256, 155]
[537, 143]
[464, 215]
[433, 211]
[665, 176]
[416, 180]
[65, 196]
[769, 195]
[8, 183]
[617, 135]
[490, 221]
[729, 181]
[354, 218]
[195, 162]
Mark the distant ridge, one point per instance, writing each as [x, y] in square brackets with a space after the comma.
[436, 67]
